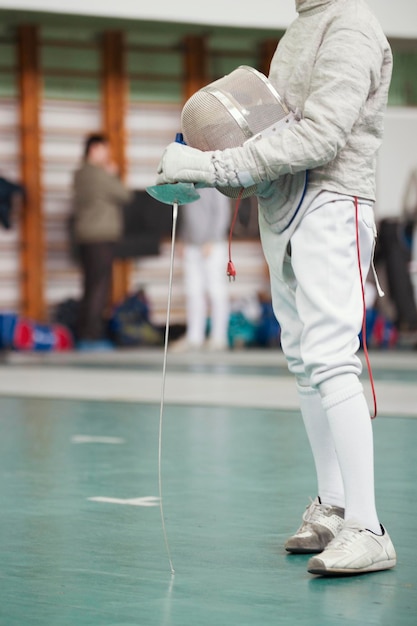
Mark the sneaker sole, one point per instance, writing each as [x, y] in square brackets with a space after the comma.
[322, 570]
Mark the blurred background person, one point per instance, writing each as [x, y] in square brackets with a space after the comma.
[395, 248]
[203, 230]
[410, 217]
[98, 197]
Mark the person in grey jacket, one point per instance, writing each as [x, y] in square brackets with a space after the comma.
[333, 69]
[98, 196]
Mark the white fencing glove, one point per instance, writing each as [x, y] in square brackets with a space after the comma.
[184, 164]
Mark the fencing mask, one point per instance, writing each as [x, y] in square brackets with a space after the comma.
[240, 107]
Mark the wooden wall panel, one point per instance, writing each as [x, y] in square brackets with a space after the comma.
[195, 64]
[32, 257]
[266, 52]
[114, 114]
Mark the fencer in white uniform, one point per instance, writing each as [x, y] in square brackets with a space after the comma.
[333, 69]
[203, 230]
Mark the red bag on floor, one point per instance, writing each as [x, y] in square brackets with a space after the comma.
[22, 334]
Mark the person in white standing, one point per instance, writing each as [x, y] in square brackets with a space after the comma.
[333, 68]
[203, 231]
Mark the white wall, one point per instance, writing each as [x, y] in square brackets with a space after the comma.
[217, 12]
[398, 18]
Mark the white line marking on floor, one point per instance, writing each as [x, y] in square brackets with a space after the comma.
[94, 439]
[146, 501]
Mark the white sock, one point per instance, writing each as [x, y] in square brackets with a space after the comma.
[350, 423]
[329, 478]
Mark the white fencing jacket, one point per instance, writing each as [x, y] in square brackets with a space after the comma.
[334, 66]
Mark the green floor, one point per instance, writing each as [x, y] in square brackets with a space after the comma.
[235, 483]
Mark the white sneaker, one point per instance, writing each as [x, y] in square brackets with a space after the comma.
[216, 346]
[183, 345]
[321, 524]
[355, 550]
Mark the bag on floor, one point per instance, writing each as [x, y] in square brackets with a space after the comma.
[380, 331]
[19, 333]
[130, 324]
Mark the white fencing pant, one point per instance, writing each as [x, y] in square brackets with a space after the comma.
[317, 297]
[317, 294]
[206, 290]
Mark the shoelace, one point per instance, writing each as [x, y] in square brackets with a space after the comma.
[314, 511]
[345, 538]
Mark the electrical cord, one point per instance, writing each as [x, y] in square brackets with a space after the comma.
[231, 270]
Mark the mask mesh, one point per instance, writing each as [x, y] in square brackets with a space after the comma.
[229, 111]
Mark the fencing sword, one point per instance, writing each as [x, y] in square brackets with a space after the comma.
[174, 194]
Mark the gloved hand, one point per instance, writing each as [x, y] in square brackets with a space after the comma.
[183, 164]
